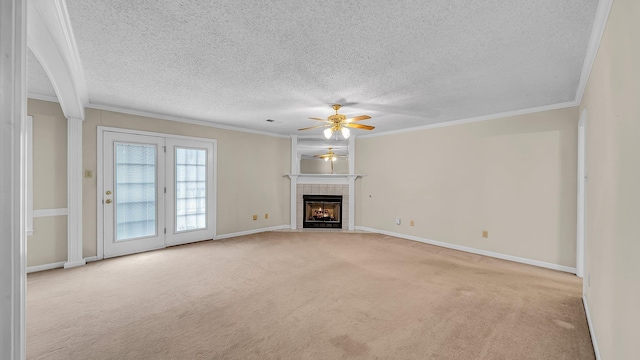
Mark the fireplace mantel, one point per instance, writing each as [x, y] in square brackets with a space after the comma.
[343, 179]
[323, 179]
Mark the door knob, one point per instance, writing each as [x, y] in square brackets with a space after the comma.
[108, 201]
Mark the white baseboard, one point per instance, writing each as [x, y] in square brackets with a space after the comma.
[473, 250]
[58, 265]
[44, 267]
[250, 232]
[69, 265]
[66, 265]
[591, 331]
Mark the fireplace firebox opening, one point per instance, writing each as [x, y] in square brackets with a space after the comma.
[322, 211]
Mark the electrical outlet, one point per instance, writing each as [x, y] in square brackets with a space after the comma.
[266, 215]
[255, 217]
[485, 234]
[88, 174]
[397, 221]
[411, 223]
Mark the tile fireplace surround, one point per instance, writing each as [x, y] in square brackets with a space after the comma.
[322, 185]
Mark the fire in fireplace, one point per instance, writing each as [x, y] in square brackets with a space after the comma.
[322, 211]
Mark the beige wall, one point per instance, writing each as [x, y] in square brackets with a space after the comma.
[49, 241]
[48, 244]
[49, 155]
[612, 99]
[515, 177]
[250, 173]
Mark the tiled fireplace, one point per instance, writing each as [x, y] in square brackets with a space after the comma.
[343, 185]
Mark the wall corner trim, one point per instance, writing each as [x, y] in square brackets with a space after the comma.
[596, 350]
[599, 25]
[496, 255]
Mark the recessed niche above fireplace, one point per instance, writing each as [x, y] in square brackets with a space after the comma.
[322, 211]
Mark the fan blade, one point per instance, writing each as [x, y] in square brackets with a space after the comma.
[321, 156]
[313, 127]
[318, 119]
[358, 118]
[360, 126]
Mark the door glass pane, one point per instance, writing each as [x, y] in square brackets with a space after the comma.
[135, 191]
[191, 189]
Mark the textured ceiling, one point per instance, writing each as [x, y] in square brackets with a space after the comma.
[405, 63]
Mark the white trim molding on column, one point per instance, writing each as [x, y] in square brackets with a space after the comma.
[352, 201]
[295, 159]
[28, 146]
[582, 180]
[352, 155]
[74, 193]
[13, 162]
[294, 197]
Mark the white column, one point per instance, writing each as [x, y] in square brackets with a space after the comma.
[295, 162]
[295, 169]
[74, 193]
[13, 87]
[294, 201]
[352, 155]
[352, 201]
[582, 174]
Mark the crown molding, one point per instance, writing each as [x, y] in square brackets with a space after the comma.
[43, 97]
[502, 115]
[160, 116]
[599, 25]
[258, 132]
[180, 119]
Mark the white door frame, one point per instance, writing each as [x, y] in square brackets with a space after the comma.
[582, 197]
[100, 182]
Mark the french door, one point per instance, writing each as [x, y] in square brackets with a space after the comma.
[133, 193]
[190, 192]
[157, 192]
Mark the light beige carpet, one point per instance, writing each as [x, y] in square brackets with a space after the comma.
[292, 295]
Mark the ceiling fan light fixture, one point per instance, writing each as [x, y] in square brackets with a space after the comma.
[334, 158]
[339, 123]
